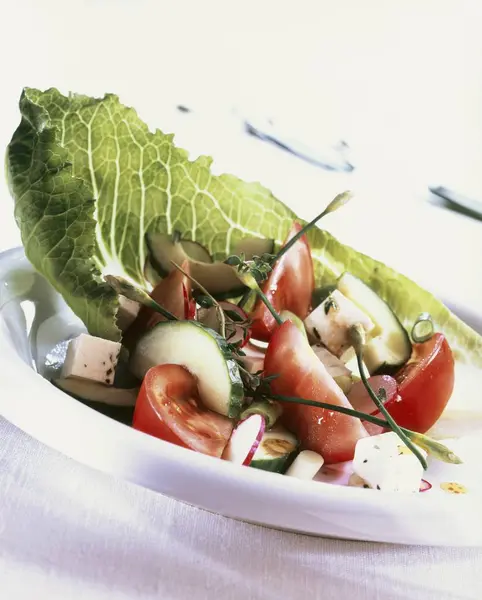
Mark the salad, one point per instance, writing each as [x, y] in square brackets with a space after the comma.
[219, 321]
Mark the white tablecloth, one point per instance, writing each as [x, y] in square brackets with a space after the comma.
[71, 533]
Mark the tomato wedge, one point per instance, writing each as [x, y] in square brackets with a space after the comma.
[288, 287]
[174, 294]
[303, 375]
[423, 388]
[168, 407]
[425, 385]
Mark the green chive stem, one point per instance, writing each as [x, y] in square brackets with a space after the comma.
[357, 335]
[337, 202]
[432, 447]
[130, 291]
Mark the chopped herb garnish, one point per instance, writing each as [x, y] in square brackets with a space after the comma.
[330, 304]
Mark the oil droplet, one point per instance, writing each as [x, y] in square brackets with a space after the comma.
[452, 487]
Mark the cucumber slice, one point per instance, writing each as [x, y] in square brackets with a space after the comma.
[202, 352]
[270, 410]
[275, 451]
[390, 347]
[122, 413]
[164, 245]
[194, 250]
[254, 247]
[218, 278]
[150, 273]
[91, 391]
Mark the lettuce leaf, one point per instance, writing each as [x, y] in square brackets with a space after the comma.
[90, 180]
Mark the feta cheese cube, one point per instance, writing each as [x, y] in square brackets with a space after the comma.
[93, 358]
[330, 323]
[384, 463]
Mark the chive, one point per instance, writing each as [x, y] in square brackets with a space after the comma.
[337, 202]
[249, 280]
[357, 334]
[130, 291]
[268, 409]
[423, 328]
[432, 447]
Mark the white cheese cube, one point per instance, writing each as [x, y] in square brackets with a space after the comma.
[330, 323]
[385, 463]
[93, 358]
[127, 313]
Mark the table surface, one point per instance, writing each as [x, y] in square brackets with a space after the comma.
[68, 532]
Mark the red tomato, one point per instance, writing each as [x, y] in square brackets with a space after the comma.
[303, 375]
[174, 294]
[289, 287]
[425, 385]
[168, 407]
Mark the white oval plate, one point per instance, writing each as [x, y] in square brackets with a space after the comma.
[318, 508]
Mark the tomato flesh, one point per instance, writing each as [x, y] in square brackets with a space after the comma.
[168, 407]
[301, 374]
[288, 287]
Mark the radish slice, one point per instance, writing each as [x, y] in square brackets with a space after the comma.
[244, 440]
[240, 333]
[360, 400]
[189, 304]
[235, 326]
[425, 486]
[253, 360]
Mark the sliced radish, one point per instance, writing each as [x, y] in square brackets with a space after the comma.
[189, 304]
[425, 486]
[240, 333]
[235, 327]
[244, 440]
[253, 360]
[360, 400]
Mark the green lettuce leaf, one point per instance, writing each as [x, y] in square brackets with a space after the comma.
[90, 180]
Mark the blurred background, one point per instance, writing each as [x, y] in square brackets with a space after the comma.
[399, 82]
